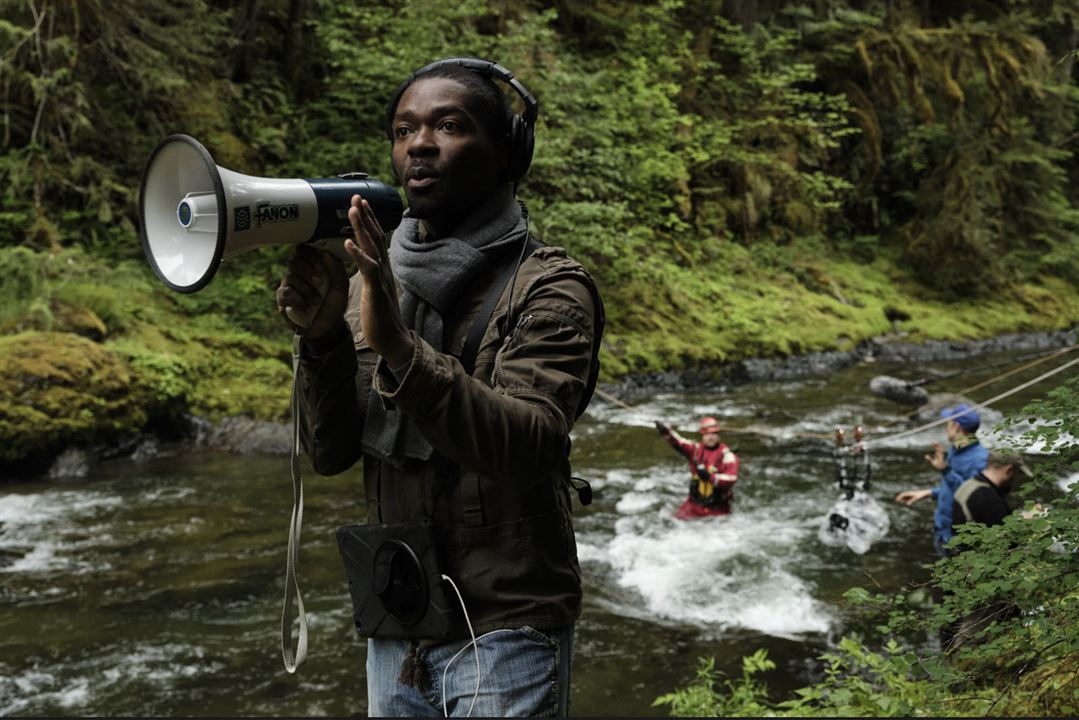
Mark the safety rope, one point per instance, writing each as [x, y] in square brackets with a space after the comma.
[997, 378]
[1039, 361]
[912, 431]
[724, 428]
[979, 406]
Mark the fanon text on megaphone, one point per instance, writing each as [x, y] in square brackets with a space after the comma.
[193, 213]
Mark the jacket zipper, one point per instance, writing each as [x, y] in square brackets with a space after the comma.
[506, 343]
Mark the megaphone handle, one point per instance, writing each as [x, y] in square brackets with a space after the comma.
[304, 319]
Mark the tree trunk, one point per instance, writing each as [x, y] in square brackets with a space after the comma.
[243, 28]
[292, 49]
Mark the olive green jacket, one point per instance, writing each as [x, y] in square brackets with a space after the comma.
[504, 519]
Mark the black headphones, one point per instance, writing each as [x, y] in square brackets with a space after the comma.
[522, 134]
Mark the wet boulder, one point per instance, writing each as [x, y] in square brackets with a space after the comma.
[897, 390]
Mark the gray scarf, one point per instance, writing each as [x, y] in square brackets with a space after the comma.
[433, 275]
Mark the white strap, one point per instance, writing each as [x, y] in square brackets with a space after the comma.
[292, 583]
[475, 648]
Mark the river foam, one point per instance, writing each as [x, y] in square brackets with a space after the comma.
[35, 527]
[717, 573]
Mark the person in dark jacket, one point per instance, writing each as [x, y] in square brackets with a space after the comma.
[478, 454]
[713, 467]
[984, 499]
[964, 458]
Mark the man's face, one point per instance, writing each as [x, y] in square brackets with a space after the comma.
[710, 439]
[953, 430]
[443, 154]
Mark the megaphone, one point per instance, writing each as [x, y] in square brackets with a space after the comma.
[194, 213]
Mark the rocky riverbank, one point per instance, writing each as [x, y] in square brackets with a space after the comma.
[244, 435]
[885, 349]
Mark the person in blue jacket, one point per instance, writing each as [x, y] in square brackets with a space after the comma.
[965, 458]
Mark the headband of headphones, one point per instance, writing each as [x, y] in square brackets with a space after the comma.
[483, 67]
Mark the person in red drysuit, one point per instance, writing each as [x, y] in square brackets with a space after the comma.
[714, 468]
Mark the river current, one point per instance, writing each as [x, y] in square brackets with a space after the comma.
[153, 584]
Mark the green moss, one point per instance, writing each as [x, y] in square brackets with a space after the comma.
[798, 301]
[86, 360]
[59, 387]
[157, 354]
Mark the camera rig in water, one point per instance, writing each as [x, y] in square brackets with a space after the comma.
[852, 469]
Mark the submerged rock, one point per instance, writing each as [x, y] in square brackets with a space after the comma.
[71, 463]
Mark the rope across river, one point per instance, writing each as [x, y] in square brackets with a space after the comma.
[913, 431]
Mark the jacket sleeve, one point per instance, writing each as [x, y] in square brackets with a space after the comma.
[332, 395]
[727, 474]
[683, 446]
[950, 478]
[519, 428]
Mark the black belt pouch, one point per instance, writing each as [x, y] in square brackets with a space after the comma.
[395, 581]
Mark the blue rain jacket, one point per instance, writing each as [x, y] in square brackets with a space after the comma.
[963, 464]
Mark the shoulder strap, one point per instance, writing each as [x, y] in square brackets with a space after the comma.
[597, 340]
[483, 317]
[470, 492]
[963, 494]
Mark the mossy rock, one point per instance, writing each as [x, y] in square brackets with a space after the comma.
[57, 388]
[79, 320]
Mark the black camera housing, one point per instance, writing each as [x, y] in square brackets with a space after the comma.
[394, 580]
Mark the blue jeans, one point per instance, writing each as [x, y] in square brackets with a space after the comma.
[940, 545]
[523, 672]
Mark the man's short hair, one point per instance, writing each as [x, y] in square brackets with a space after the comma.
[486, 99]
[1020, 470]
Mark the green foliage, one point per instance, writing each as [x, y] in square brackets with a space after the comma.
[742, 697]
[24, 276]
[857, 682]
[892, 683]
[743, 179]
[949, 167]
[762, 138]
[87, 88]
[83, 360]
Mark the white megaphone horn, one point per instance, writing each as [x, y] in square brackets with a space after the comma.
[193, 213]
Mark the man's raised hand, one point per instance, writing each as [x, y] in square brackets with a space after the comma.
[380, 313]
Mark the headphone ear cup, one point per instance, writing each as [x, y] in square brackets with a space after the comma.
[522, 140]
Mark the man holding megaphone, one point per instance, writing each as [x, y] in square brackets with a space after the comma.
[454, 364]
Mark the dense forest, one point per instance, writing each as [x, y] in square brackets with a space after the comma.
[745, 178]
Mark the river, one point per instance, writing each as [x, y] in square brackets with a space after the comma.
[153, 585]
